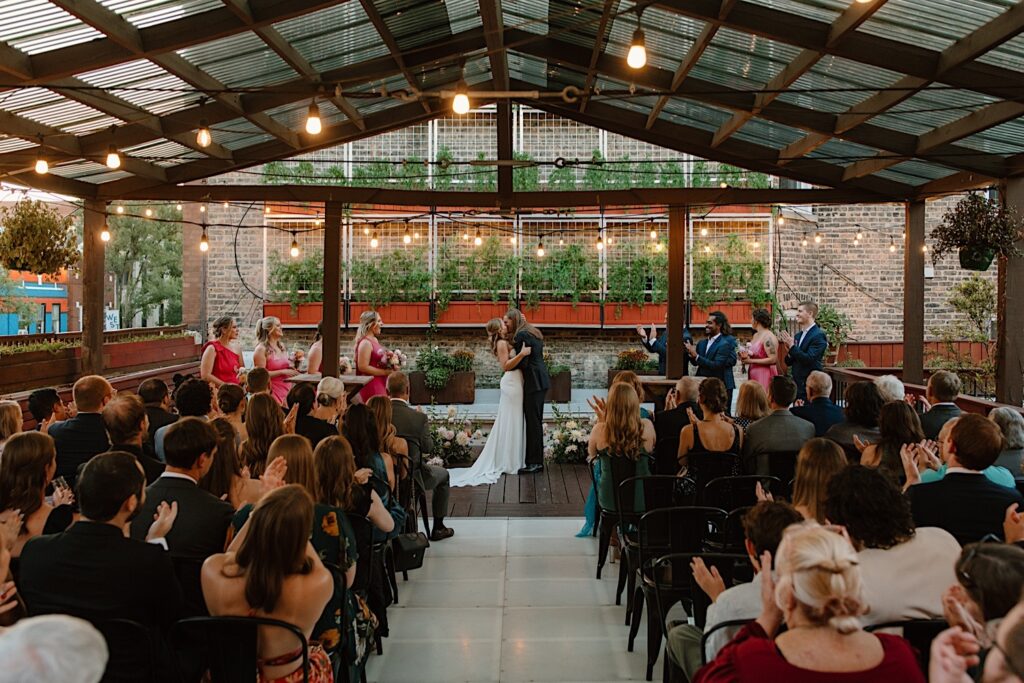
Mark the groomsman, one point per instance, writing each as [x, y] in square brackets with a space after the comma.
[807, 348]
[715, 355]
[658, 344]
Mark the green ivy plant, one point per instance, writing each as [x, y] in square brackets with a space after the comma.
[737, 273]
[568, 273]
[525, 178]
[401, 275]
[37, 238]
[638, 276]
[296, 281]
[835, 324]
[491, 269]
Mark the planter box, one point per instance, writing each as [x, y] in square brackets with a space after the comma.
[564, 313]
[612, 373]
[392, 314]
[471, 313]
[461, 389]
[738, 312]
[630, 315]
[305, 314]
[561, 388]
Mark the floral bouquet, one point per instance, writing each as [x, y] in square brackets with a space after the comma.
[454, 438]
[295, 358]
[345, 366]
[395, 360]
[565, 441]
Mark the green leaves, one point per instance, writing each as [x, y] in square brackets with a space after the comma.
[569, 272]
[37, 238]
[635, 273]
[297, 280]
[401, 275]
[979, 222]
[438, 366]
[730, 274]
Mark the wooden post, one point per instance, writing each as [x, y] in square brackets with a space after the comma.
[505, 152]
[676, 286]
[93, 258]
[1010, 311]
[913, 294]
[332, 289]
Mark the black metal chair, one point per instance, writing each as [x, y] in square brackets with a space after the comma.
[705, 466]
[739, 491]
[782, 466]
[666, 456]
[227, 647]
[622, 468]
[918, 632]
[731, 624]
[189, 574]
[133, 652]
[340, 599]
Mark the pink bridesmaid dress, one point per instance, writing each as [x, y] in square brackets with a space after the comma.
[378, 385]
[761, 373]
[279, 385]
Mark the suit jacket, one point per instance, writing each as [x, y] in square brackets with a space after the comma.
[667, 425]
[411, 425]
[158, 417]
[821, 412]
[779, 430]
[719, 361]
[967, 505]
[533, 367]
[201, 527]
[150, 465]
[932, 421]
[92, 571]
[78, 439]
[660, 347]
[805, 356]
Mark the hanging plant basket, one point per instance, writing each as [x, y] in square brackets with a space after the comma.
[37, 238]
[976, 258]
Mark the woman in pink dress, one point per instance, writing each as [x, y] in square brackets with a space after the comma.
[271, 354]
[220, 362]
[762, 355]
[371, 357]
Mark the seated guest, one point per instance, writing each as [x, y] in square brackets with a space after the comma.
[751, 405]
[713, 433]
[26, 469]
[257, 381]
[863, 404]
[79, 438]
[360, 428]
[763, 526]
[898, 426]
[621, 433]
[93, 570]
[392, 446]
[890, 388]
[202, 523]
[989, 581]
[954, 651]
[819, 409]
[818, 461]
[231, 403]
[905, 570]
[964, 502]
[157, 399]
[633, 379]
[264, 422]
[193, 398]
[940, 401]
[668, 423]
[271, 570]
[227, 479]
[1011, 424]
[780, 430]
[10, 421]
[46, 404]
[126, 422]
[934, 469]
[309, 421]
[53, 647]
[338, 484]
[818, 593]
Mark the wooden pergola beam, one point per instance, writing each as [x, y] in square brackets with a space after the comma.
[389, 41]
[494, 32]
[611, 7]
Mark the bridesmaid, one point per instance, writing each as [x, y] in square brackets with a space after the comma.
[762, 357]
[271, 354]
[371, 356]
[220, 363]
[316, 349]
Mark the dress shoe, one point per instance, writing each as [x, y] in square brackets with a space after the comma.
[531, 469]
[442, 533]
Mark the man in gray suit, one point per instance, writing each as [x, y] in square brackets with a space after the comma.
[779, 430]
[411, 425]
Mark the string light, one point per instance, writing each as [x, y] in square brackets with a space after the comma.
[460, 103]
[227, 204]
[540, 249]
[561, 242]
[119, 209]
[366, 230]
[416, 235]
[803, 240]
[202, 208]
[478, 240]
[724, 185]
[707, 248]
[203, 135]
[755, 244]
[817, 238]
[149, 213]
[266, 210]
[892, 245]
[374, 242]
[42, 166]
[294, 251]
[406, 237]
[703, 232]
[781, 220]
[658, 246]
[105, 234]
[654, 234]
[204, 242]
[512, 240]
[177, 207]
[859, 236]
[599, 245]
[924, 248]
[465, 235]
[113, 158]
[636, 58]
[313, 123]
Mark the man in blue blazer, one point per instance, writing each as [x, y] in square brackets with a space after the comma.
[658, 344]
[715, 355]
[807, 348]
[819, 409]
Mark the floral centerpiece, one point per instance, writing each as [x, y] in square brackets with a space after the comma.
[565, 441]
[637, 360]
[979, 229]
[454, 438]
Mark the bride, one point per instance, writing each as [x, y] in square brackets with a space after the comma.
[505, 450]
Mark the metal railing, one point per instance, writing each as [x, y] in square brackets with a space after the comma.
[843, 377]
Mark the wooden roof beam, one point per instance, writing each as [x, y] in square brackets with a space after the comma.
[492, 18]
[611, 7]
[396, 52]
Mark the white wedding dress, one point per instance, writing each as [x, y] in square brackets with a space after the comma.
[505, 450]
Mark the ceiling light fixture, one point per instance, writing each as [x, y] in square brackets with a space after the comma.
[313, 123]
[203, 136]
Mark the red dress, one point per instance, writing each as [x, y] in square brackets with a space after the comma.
[225, 364]
[752, 656]
[378, 386]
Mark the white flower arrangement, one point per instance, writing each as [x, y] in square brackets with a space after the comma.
[566, 439]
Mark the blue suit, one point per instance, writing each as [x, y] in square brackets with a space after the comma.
[805, 356]
[660, 347]
[718, 361]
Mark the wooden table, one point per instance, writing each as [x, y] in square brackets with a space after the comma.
[353, 383]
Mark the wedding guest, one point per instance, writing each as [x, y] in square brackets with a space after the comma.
[807, 349]
[257, 381]
[10, 421]
[751, 405]
[331, 400]
[316, 350]
[761, 357]
[713, 433]
[271, 570]
[80, 437]
[863, 404]
[940, 401]
[193, 398]
[127, 427]
[955, 651]
[53, 647]
[271, 355]
[227, 479]
[1011, 424]
[989, 582]
[157, 399]
[338, 484]
[779, 430]
[621, 433]
[220, 364]
[392, 445]
[46, 404]
[898, 426]
[307, 424]
[818, 593]
[232, 403]
[264, 422]
[905, 569]
[817, 463]
[631, 378]
[715, 355]
[669, 423]
[819, 409]
[370, 356]
[360, 429]
[932, 469]
[890, 388]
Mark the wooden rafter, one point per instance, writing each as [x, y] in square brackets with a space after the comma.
[494, 30]
[611, 7]
[396, 52]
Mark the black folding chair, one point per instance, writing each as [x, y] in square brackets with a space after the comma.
[739, 491]
[189, 574]
[730, 624]
[918, 632]
[228, 647]
[339, 599]
[133, 652]
[622, 468]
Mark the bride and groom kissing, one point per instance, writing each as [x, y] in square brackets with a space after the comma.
[516, 441]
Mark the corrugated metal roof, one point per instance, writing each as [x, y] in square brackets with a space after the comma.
[35, 26]
[240, 61]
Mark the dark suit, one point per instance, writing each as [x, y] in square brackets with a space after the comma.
[92, 571]
[821, 412]
[967, 505]
[667, 425]
[158, 417]
[779, 430]
[535, 384]
[718, 361]
[78, 439]
[411, 425]
[660, 347]
[805, 356]
[201, 528]
[940, 414]
[145, 455]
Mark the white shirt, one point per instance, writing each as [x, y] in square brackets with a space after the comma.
[711, 342]
[739, 602]
[177, 475]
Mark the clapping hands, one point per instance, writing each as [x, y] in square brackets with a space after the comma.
[163, 520]
[786, 337]
[953, 652]
[710, 581]
[599, 406]
[289, 420]
[1013, 525]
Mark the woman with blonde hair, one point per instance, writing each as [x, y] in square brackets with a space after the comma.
[620, 433]
[10, 421]
[818, 594]
[751, 404]
[817, 462]
[271, 354]
[370, 357]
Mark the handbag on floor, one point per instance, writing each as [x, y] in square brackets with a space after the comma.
[409, 550]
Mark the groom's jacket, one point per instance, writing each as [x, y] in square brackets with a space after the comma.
[411, 425]
[535, 371]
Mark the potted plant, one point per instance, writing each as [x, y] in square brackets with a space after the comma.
[836, 326]
[566, 440]
[296, 288]
[442, 377]
[37, 238]
[561, 381]
[637, 360]
[978, 229]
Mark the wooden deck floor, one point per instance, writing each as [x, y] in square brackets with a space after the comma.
[558, 491]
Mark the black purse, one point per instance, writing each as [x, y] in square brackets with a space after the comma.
[408, 550]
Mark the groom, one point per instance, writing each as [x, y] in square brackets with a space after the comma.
[535, 386]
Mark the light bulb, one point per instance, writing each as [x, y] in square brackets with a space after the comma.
[610, 240]
[294, 251]
[203, 136]
[512, 239]
[803, 240]
[561, 242]
[407, 238]
[703, 232]
[654, 234]
[817, 238]
[723, 185]
[42, 167]
[113, 158]
[149, 213]
[781, 221]
[266, 210]
[202, 208]
[204, 243]
[366, 230]
[120, 209]
[465, 236]
[460, 103]
[637, 56]
[540, 250]
[416, 235]
[892, 245]
[177, 207]
[856, 242]
[859, 236]
[478, 240]
[755, 244]
[105, 234]
[313, 123]
[658, 247]
[599, 244]
[924, 248]
[374, 242]
[707, 248]
[227, 204]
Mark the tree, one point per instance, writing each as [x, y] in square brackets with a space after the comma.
[145, 258]
[12, 300]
